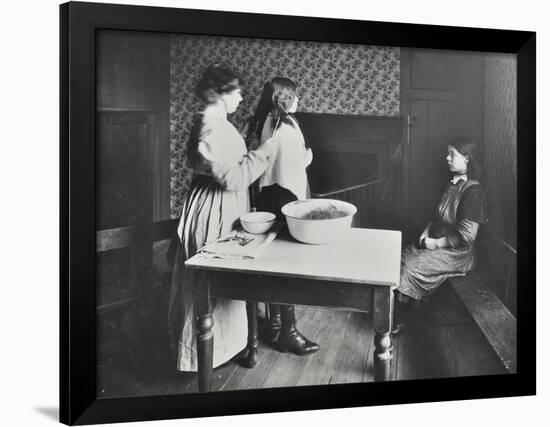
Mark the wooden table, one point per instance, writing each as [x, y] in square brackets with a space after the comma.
[358, 272]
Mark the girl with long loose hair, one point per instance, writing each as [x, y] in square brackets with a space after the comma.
[284, 180]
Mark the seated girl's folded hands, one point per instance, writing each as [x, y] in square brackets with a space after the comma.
[423, 237]
[431, 244]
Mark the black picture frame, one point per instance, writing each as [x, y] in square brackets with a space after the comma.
[79, 23]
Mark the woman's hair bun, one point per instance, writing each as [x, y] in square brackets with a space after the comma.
[215, 81]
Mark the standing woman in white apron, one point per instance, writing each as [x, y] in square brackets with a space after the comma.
[218, 196]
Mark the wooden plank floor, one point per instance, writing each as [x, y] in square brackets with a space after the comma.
[442, 342]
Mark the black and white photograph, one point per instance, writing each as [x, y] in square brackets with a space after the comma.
[358, 202]
[280, 209]
[289, 214]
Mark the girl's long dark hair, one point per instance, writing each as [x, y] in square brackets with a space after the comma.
[468, 148]
[277, 98]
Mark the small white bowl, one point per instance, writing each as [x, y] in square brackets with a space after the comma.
[317, 231]
[257, 222]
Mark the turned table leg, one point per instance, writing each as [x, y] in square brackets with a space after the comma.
[382, 356]
[252, 315]
[382, 322]
[205, 340]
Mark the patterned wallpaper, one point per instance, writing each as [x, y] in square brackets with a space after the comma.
[331, 78]
[500, 172]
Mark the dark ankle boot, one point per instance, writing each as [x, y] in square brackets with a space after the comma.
[401, 316]
[398, 318]
[290, 339]
[271, 331]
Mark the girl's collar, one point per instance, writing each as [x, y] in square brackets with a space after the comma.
[457, 178]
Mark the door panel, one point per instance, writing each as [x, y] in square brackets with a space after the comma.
[427, 157]
[442, 95]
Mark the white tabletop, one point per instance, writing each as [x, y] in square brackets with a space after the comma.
[361, 256]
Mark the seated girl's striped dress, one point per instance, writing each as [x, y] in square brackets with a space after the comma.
[423, 270]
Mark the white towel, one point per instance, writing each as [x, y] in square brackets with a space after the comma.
[232, 249]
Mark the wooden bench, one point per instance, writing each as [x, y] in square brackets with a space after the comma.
[477, 290]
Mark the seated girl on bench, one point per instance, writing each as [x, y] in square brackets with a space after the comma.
[446, 246]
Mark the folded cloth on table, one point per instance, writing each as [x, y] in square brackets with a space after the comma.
[239, 244]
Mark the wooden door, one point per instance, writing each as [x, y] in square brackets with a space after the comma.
[441, 98]
[124, 238]
[428, 145]
[124, 205]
